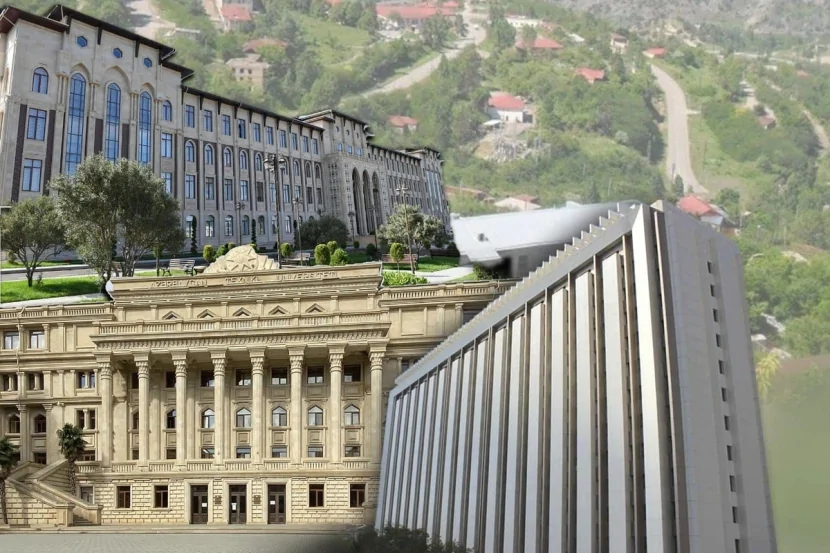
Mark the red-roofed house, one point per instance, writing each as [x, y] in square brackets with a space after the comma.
[591, 75]
[506, 107]
[541, 44]
[403, 123]
[707, 213]
[234, 15]
[802, 73]
[619, 43]
[253, 46]
[655, 53]
[414, 15]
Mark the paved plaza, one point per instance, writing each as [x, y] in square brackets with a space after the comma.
[238, 542]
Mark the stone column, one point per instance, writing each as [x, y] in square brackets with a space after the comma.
[296, 422]
[218, 404]
[257, 363]
[335, 404]
[105, 416]
[142, 362]
[376, 431]
[192, 417]
[50, 430]
[25, 434]
[180, 362]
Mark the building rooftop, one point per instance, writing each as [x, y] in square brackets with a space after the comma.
[402, 121]
[416, 11]
[505, 101]
[252, 61]
[253, 46]
[590, 75]
[541, 43]
[655, 52]
[236, 12]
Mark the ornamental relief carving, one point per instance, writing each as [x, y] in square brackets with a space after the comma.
[250, 340]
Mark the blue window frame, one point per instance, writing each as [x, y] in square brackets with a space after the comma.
[294, 143]
[117, 53]
[36, 129]
[148, 62]
[81, 41]
[226, 125]
[189, 151]
[243, 160]
[168, 182]
[315, 146]
[75, 123]
[283, 139]
[167, 111]
[112, 143]
[243, 191]
[190, 117]
[269, 135]
[227, 192]
[145, 119]
[243, 127]
[208, 154]
[166, 144]
[190, 186]
[32, 171]
[257, 132]
[305, 144]
[208, 116]
[40, 81]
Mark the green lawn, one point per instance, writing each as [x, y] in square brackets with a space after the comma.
[18, 290]
[436, 263]
[16, 265]
[335, 43]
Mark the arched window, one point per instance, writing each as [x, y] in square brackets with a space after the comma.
[171, 420]
[210, 226]
[208, 418]
[167, 111]
[40, 81]
[296, 168]
[14, 424]
[246, 225]
[260, 225]
[135, 420]
[189, 151]
[40, 424]
[243, 160]
[307, 170]
[228, 157]
[318, 173]
[279, 417]
[315, 416]
[243, 418]
[208, 154]
[228, 225]
[351, 416]
[75, 123]
[258, 162]
[113, 136]
[145, 119]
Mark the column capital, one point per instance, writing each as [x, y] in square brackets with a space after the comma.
[181, 367]
[22, 408]
[47, 407]
[179, 355]
[296, 356]
[257, 365]
[256, 352]
[376, 359]
[219, 353]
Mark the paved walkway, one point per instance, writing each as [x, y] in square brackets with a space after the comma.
[60, 300]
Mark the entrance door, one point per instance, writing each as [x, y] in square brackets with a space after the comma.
[198, 504]
[276, 504]
[239, 505]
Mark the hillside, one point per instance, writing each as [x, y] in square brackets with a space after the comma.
[790, 16]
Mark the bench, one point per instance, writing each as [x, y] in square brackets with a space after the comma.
[405, 260]
[295, 259]
[185, 265]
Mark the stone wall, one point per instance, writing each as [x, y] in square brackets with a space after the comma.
[142, 501]
[337, 509]
[59, 478]
[24, 509]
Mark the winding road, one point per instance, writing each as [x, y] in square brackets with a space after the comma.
[678, 151]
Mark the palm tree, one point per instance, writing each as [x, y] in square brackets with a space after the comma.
[71, 442]
[8, 459]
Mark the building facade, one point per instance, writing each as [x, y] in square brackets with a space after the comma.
[607, 403]
[74, 86]
[244, 395]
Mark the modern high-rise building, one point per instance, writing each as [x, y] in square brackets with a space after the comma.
[73, 86]
[607, 403]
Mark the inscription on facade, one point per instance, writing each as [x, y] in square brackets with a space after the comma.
[189, 283]
[243, 280]
[308, 276]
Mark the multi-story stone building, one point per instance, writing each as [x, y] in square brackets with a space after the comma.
[73, 86]
[244, 395]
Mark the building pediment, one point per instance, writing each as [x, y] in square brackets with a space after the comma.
[241, 259]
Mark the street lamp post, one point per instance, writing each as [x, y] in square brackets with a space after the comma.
[402, 191]
[351, 223]
[297, 202]
[239, 207]
[374, 211]
[272, 163]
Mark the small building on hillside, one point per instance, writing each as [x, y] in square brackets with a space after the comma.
[519, 21]
[652, 53]
[506, 107]
[767, 122]
[468, 193]
[253, 46]
[402, 123]
[234, 16]
[540, 44]
[249, 69]
[707, 212]
[521, 202]
[590, 75]
[619, 43]
[412, 16]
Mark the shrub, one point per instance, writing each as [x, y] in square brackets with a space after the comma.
[322, 255]
[395, 278]
[356, 245]
[339, 257]
[452, 250]
[223, 249]
[286, 250]
[209, 253]
[371, 251]
[333, 246]
[396, 251]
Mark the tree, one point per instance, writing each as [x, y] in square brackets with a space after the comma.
[528, 36]
[322, 255]
[435, 32]
[409, 226]
[371, 251]
[333, 246]
[286, 250]
[209, 253]
[8, 459]
[253, 234]
[121, 203]
[396, 252]
[765, 370]
[324, 229]
[194, 247]
[33, 232]
[678, 187]
[72, 445]
[339, 257]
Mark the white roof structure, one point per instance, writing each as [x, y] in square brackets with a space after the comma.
[486, 238]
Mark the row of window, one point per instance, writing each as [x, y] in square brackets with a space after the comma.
[279, 417]
[34, 382]
[84, 418]
[279, 376]
[37, 339]
[277, 452]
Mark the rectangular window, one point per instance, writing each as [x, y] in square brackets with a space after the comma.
[316, 495]
[190, 117]
[88, 455]
[207, 380]
[309, 195]
[170, 453]
[166, 144]
[160, 497]
[279, 451]
[32, 172]
[723, 394]
[37, 339]
[228, 192]
[294, 142]
[709, 267]
[717, 340]
[39, 457]
[243, 377]
[305, 144]
[207, 453]
[269, 135]
[80, 420]
[352, 373]
[243, 452]
[122, 494]
[320, 197]
[339, 146]
[287, 225]
[169, 379]
[715, 314]
[720, 366]
[279, 377]
[735, 515]
[729, 453]
[135, 455]
[349, 149]
[190, 187]
[260, 192]
[257, 132]
[226, 125]
[352, 451]
[286, 195]
[357, 495]
[712, 290]
[315, 451]
[731, 482]
[243, 190]
[210, 188]
[315, 146]
[726, 422]
[168, 182]
[315, 375]
[11, 340]
[283, 139]
[243, 127]
[36, 129]
[208, 120]
[360, 152]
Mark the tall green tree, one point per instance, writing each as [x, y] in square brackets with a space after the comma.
[33, 232]
[8, 459]
[121, 203]
[72, 446]
[407, 225]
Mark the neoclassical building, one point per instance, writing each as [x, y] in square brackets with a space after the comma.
[248, 394]
[73, 86]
